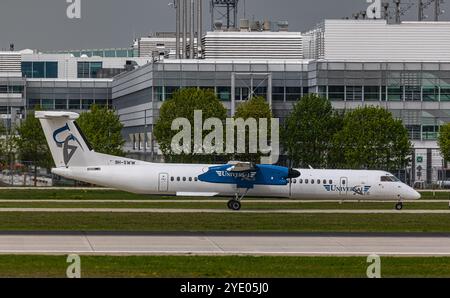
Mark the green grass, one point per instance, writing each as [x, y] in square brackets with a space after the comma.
[429, 195]
[221, 205]
[198, 222]
[218, 266]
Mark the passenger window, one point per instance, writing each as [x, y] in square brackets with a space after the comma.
[300, 181]
[295, 181]
[312, 181]
[178, 179]
[184, 178]
[331, 181]
[306, 181]
[343, 182]
[195, 179]
[318, 181]
[325, 181]
[172, 178]
[190, 179]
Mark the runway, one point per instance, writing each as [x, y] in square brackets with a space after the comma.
[225, 244]
[179, 210]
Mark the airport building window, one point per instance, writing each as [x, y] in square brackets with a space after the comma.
[413, 93]
[34, 103]
[445, 94]
[74, 104]
[48, 104]
[169, 91]
[40, 70]
[336, 93]
[395, 93]
[61, 104]
[430, 132]
[86, 70]
[86, 103]
[11, 89]
[293, 93]
[430, 93]
[371, 93]
[323, 91]
[224, 93]
[101, 102]
[353, 93]
[260, 91]
[278, 93]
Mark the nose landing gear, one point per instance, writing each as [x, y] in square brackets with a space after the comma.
[399, 205]
[235, 204]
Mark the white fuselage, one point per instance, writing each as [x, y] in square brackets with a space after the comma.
[181, 180]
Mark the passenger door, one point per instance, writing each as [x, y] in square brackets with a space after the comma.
[163, 184]
[343, 186]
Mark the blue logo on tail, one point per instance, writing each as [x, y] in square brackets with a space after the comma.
[68, 149]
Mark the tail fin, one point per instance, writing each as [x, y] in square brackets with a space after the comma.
[67, 143]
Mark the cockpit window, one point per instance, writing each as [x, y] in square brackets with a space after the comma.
[389, 179]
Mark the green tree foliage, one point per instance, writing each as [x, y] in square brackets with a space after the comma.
[372, 139]
[255, 108]
[31, 144]
[444, 141]
[183, 104]
[308, 133]
[103, 129]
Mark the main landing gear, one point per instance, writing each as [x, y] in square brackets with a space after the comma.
[235, 204]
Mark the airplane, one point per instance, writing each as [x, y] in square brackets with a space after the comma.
[75, 159]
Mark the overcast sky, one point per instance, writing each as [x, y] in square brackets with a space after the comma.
[43, 24]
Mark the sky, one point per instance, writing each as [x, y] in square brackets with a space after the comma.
[44, 25]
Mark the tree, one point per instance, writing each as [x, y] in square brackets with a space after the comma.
[32, 146]
[309, 130]
[372, 139]
[444, 141]
[183, 104]
[256, 108]
[103, 129]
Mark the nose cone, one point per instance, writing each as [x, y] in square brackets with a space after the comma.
[414, 195]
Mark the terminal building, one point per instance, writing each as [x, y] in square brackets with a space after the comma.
[404, 67]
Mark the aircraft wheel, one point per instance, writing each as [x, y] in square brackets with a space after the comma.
[229, 204]
[399, 206]
[235, 205]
